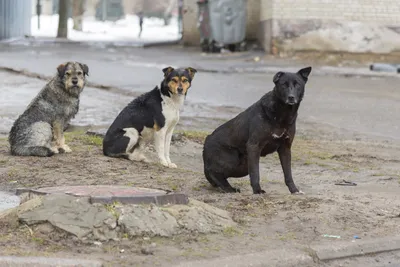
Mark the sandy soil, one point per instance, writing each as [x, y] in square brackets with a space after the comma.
[276, 219]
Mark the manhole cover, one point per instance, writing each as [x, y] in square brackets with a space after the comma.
[111, 193]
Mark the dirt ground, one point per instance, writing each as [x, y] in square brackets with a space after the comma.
[276, 219]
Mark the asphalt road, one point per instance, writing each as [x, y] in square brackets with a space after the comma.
[364, 105]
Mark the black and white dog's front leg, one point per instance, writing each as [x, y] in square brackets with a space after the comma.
[285, 157]
[168, 138]
[160, 143]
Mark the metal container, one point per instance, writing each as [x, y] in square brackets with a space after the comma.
[222, 23]
[15, 18]
[228, 20]
[203, 24]
[111, 10]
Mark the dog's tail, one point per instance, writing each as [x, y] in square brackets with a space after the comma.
[40, 151]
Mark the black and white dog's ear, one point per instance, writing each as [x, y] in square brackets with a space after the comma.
[277, 76]
[167, 71]
[191, 71]
[304, 73]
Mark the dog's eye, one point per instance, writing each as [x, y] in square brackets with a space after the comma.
[68, 73]
[185, 81]
[80, 73]
[175, 80]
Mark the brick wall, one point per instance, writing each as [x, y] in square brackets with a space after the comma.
[385, 12]
[338, 25]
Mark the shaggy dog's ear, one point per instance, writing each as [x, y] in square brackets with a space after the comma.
[85, 69]
[61, 70]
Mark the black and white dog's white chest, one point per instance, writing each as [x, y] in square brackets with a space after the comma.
[170, 109]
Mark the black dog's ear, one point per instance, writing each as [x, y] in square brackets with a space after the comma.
[304, 73]
[61, 70]
[191, 71]
[277, 76]
[167, 71]
[85, 69]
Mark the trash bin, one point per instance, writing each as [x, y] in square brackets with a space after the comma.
[111, 10]
[222, 23]
[203, 24]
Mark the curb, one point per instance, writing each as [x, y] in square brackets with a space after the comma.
[276, 258]
[311, 256]
[339, 250]
[22, 40]
[316, 71]
[13, 261]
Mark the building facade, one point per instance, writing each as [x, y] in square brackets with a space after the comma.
[355, 26]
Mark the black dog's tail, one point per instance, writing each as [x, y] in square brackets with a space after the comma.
[40, 151]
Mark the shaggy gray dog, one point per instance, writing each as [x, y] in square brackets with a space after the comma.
[39, 131]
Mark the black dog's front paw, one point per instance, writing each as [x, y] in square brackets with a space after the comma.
[231, 190]
[259, 191]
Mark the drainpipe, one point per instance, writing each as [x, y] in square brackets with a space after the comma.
[38, 12]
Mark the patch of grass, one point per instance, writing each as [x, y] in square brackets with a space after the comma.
[111, 209]
[3, 161]
[197, 136]
[12, 172]
[125, 235]
[286, 236]
[379, 174]
[231, 231]
[83, 138]
[38, 240]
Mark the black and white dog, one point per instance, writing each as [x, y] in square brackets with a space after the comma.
[151, 115]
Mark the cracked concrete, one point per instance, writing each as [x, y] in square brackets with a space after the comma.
[77, 216]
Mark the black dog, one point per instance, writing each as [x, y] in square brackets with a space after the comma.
[269, 125]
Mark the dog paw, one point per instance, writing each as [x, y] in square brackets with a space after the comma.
[259, 191]
[164, 163]
[231, 190]
[66, 149]
[298, 193]
[54, 150]
[172, 165]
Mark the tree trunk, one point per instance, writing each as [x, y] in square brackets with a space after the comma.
[63, 19]
[77, 14]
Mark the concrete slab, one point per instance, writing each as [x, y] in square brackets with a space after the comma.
[13, 261]
[338, 250]
[110, 193]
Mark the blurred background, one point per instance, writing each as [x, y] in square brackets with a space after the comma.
[275, 26]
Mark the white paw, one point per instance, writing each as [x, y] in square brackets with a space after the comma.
[172, 165]
[54, 150]
[299, 193]
[66, 149]
[164, 163]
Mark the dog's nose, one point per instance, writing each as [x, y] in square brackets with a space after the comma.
[180, 90]
[291, 98]
[74, 81]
